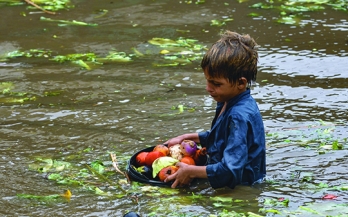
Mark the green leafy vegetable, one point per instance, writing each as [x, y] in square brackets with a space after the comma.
[161, 163]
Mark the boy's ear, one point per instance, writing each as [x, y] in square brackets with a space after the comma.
[242, 83]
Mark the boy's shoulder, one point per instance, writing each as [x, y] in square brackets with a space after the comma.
[245, 106]
[242, 100]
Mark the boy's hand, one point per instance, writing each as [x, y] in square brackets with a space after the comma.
[174, 141]
[181, 177]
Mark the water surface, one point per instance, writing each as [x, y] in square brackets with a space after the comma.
[125, 107]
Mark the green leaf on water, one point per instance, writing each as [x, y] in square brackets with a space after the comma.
[52, 93]
[261, 5]
[54, 176]
[287, 20]
[6, 87]
[220, 22]
[222, 199]
[336, 145]
[101, 192]
[253, 15]
[115, 57]
[47, 198]
[82, 63]
[45, 165]
[98, 166]
[275, 211]
[38, 197]
[218, 205]
[67, 22]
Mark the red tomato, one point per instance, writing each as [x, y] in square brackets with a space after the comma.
[152, 156]
[140, 158]
[166, 171]
[188, 160]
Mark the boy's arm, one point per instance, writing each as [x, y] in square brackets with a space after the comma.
[179, 139]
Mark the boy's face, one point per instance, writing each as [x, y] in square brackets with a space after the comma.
[222, 90]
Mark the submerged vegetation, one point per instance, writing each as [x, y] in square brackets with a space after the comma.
[49, 5]
[10, 96]
[67, 22]
[317, 136]
[104, 176]
[172, 53]
[293, 11]
[101, 178]
[87, 171]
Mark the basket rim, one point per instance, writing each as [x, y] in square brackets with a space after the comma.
[136, 176]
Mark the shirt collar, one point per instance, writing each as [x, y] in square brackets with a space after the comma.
[235, 99]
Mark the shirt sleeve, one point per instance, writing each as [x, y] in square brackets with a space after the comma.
[229, 171]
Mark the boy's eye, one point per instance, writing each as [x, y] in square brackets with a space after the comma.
[216, 84]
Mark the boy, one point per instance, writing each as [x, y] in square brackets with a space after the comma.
[236, 141]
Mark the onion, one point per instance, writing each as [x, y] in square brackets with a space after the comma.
[175, 151]
[188, 147]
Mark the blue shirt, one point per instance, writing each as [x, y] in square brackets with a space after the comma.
[236, 143]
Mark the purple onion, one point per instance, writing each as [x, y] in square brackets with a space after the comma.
[188, 147]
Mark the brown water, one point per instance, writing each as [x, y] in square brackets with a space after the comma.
[125, 107]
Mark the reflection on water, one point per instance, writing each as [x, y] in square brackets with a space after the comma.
[124, 107]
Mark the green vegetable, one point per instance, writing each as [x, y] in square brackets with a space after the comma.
[161, 163]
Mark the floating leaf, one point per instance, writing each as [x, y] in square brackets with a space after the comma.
[220, 22]
[163, 42]
[83, 64]
[47, 198]
[66, 22]
[325, 209]
[39, 197]
[45, 165]
[52, 93]
[115, 57]
[101, 192]
[98, 166]
[222, 199]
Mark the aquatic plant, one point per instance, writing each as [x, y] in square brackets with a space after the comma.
[104, 177]
[182, 51]
[319, 136]
[47, 5]
[84, 60]
[67, 22]
[10, 96]
[292, 11]
[173, 53]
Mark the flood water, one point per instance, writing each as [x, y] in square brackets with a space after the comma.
[118, 107]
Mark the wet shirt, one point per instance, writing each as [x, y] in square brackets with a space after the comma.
[236, 143]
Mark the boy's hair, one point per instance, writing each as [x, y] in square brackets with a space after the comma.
[232, 57]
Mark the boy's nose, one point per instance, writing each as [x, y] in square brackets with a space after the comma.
[208, 87]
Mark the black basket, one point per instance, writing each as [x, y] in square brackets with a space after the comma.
[139, 177]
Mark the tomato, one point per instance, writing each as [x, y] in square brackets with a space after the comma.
[166, 171]
[152, 156]
[162, 148]
[188, 160]
[140, 158]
